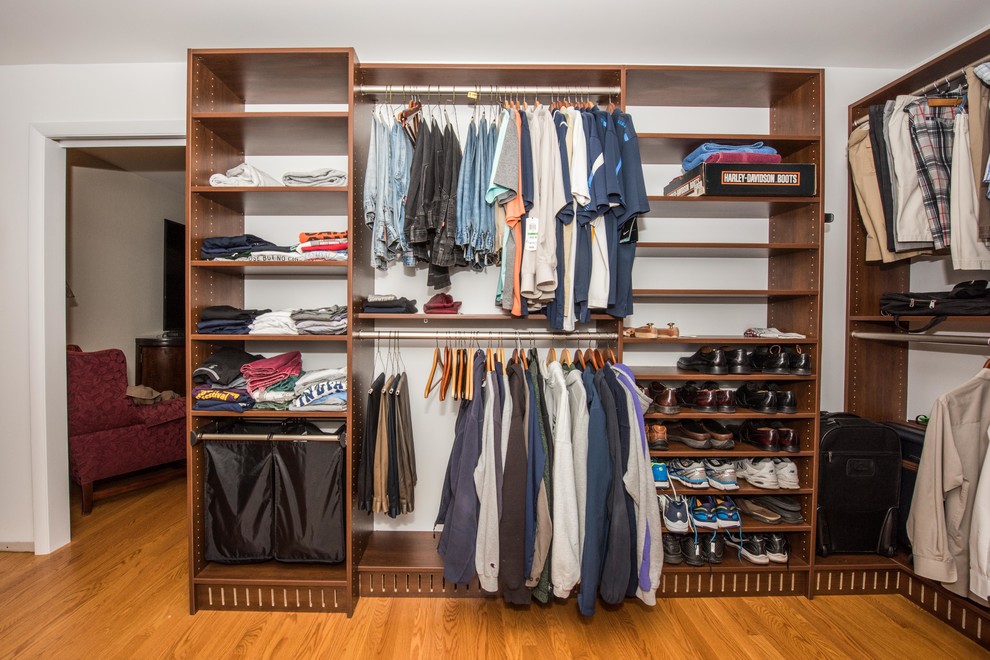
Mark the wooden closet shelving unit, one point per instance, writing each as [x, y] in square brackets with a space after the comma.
[228, 119]
[870, 363]
[793, 100]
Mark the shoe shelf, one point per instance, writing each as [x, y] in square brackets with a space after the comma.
[307, 338]
[279, 200]
[279, 133]
[739, 451]
[744, 490]
[739, 414]
[665, 206]
[723, 293]
[275, 268]
[536, 318]
[720, 250]
[731, 563]
[268, 414]
[673, 373]
[753, 525]
[717, 340]
[863, 561]
[662, 148]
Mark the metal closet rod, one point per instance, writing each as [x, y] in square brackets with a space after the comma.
[968, 340]
[486, 335]
[329, 437]
[487, 89]
[947, 81]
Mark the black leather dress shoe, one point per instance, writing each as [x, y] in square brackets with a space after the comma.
[707, 360]
[786, 399]
[737, 360]
[757, 397]
[770, 360]
[798, 362]
[700, 398]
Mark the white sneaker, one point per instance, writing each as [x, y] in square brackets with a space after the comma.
[675, 513]
[787, 473]
[759, 472]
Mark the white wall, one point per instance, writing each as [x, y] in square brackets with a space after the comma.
[34, 94]
[115, 253]
[121, 93]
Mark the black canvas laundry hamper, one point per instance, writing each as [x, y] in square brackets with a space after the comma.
[273, 499]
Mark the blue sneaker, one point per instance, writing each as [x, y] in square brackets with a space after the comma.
[726, 513]
[660, 479]
[703, 513]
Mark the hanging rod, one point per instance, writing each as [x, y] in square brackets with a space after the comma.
[947, 81]
[484, 335]
[487, 89]
[969, 340]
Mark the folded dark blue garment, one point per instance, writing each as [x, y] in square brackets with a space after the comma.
[229, 313]
[235, 243]
[223, 328]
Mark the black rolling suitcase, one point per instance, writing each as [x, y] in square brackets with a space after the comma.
[859, 481]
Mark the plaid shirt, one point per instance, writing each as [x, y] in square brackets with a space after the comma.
[931, 137]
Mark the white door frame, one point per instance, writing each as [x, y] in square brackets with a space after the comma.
[46, 306]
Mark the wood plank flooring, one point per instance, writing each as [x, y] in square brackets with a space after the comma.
[119, 590]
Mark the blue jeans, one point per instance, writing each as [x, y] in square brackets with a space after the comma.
[697, 157]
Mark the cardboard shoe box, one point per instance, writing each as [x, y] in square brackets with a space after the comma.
[741, 179]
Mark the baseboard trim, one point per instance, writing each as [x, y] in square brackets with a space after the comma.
[17, 546]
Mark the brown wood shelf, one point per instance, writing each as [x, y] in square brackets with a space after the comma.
[864, 561]
[279, 200]
[265, 573]
[674, 147]
[321, 414]
[752, 525]
[306, 338]
[741, 413]
[723, 293]
[717, 86]
[275, 268]
[718, 340]
[484, 76]
[744, 490]
[719, 250]
[468, 317]
[664, 206]
[279, 76]
[741, 450]
[733, 564]
[279, 133]
[401, 551]
[673, 373]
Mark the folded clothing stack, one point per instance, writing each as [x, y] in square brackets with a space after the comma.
[278, 322]
[227, 320]
[323, 390]
[322, 321]
[743, 153]
[389, 304]
[277, 396]
[442, 303]
[233, 247]
[220, 384]
[243, 175]
[326, 176]
[266, 372]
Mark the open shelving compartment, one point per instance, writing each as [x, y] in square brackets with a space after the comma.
[269, 106]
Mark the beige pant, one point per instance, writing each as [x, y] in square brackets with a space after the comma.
[864, 176]
[978, 100]
[910, 220]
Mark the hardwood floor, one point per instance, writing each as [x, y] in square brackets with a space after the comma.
[119, 590]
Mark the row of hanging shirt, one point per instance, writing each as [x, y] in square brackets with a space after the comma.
[549, 484]
[918, 173]
[511, 198]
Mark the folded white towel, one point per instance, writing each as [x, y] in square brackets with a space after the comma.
[326, 176]
[243, 175]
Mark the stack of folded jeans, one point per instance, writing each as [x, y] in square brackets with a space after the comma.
[233, 247]
[278, 322]
[326, 176]
[322, 321]
[389, 304]
[227, 320]
[442, 303]
[743, 153]
[269, 371]
[323, 391]
[220, 384]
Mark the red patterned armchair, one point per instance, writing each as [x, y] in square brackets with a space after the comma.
[110, 436]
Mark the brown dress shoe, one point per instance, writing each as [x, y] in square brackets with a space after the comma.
[664, 398]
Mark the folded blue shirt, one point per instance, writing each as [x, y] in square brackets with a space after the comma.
[697, 157]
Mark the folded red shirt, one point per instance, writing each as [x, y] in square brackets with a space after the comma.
[442, 303]
[741, 157]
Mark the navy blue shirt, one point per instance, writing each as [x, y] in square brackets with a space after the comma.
[599, 484]
[635, 203]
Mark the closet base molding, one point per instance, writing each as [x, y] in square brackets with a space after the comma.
[272, 597]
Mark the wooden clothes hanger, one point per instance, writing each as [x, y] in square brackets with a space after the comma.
[565, 357]
[551, 356]
[430, 385]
